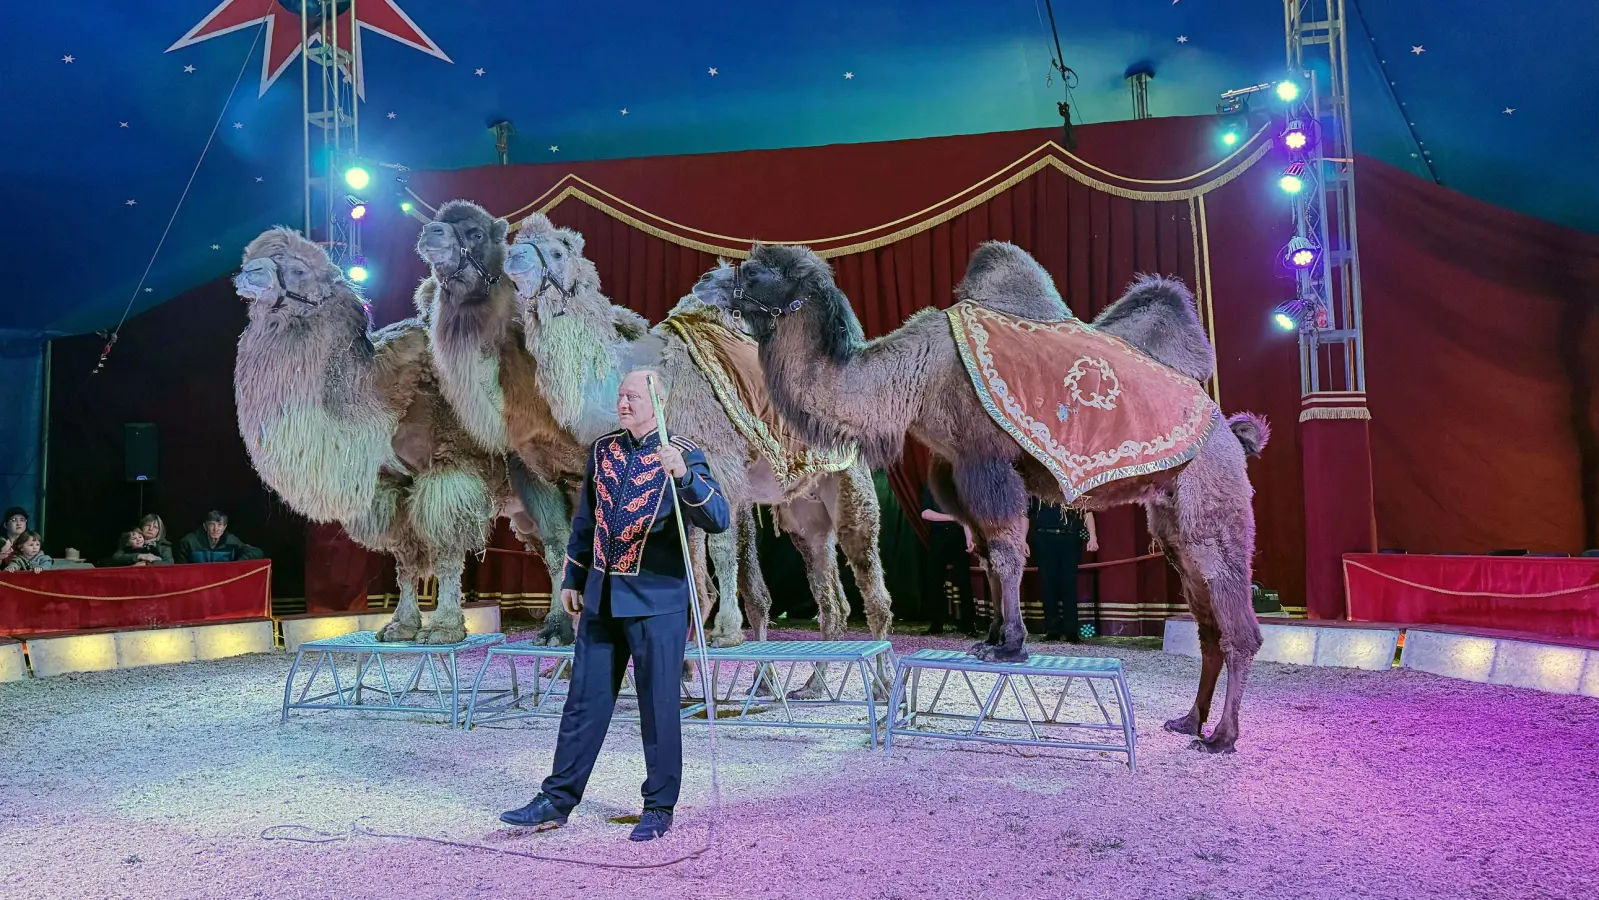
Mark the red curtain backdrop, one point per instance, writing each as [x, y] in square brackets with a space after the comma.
[1482, 350]
[1557, 598]
[133, 597]
[1091, 241]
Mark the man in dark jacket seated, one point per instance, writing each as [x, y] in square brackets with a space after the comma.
[211, 543]
[626, 575]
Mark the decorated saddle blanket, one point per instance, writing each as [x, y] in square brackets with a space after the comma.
[1089, 406]
[731, 362]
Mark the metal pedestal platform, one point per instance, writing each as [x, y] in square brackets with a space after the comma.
[537, 695]
[431, 683]
[775, 665]
[835, 667]
[1021, 681]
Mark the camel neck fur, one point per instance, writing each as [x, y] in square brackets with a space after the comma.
[309, 413]
[469, 323]
[835, 388]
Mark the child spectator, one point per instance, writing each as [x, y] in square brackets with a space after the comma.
[29, 556]
[133, 552]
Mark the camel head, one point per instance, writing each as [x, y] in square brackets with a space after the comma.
[714, 291]
[285, 276]
[549, 268]
[465, 245]
[779, 284]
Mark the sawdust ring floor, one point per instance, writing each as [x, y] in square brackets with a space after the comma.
[158, 782]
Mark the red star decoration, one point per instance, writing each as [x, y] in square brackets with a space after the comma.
[283, 45]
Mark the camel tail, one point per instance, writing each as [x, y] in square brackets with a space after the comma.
[1252, 431]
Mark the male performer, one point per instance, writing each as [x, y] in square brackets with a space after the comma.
[626, 575]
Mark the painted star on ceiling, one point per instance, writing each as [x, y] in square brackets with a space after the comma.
[1418, 49]
[282, 37]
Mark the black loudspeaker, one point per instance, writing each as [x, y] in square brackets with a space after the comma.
[139, 451]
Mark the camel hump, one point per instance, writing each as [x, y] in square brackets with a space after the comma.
[1158, 315]
[1005, 278]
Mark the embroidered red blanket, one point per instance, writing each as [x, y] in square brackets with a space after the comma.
[1089, 406]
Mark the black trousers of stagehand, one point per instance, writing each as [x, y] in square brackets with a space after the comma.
[948, 563]
[656, 645]
[1057, 554]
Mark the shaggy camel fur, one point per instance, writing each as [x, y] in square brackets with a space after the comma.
[832, 385]
[490, 381]
[575, 334]
[348, 426]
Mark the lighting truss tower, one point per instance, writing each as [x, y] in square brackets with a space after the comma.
[1331, 343]
[330, 99]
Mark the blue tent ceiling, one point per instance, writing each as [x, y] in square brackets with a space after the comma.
[105, 123]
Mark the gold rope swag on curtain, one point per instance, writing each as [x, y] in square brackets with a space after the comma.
[1047, 156]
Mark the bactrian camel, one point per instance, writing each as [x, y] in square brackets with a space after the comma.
[833, 386]
[347, 425]
[580, 355]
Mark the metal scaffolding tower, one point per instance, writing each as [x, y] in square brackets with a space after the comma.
[330, 99]
[1332, 348]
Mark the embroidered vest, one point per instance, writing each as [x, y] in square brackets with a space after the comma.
[629, 486]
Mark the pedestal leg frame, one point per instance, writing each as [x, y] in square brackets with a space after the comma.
[1020, 683]
[540, 697]
[431, 681]
[865, 665]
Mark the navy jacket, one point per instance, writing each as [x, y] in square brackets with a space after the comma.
[623, 530]
[195, 547]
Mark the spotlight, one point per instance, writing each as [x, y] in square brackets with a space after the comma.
[405, 206]
[1296, 136]
[1288, 90]
[1292, 315]
[358, 272]
[1300, 253]
[357, 206]
[357, 177]
[1229, 138]
[1293, 180]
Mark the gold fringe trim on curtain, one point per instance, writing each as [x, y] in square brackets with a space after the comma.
[577, 188]
[1335, 412]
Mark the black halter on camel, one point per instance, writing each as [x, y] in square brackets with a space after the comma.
[468, 259]
[776, 312]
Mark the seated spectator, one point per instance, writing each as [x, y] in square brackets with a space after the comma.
[211, 543]
[29, 556]
[155, 537]
[133, 552]
[11, 528]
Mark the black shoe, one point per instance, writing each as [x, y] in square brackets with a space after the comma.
[935, 629]
[651, 825]
[539, 812]
[1053, 637]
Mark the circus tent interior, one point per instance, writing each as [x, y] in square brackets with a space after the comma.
[1382, 214]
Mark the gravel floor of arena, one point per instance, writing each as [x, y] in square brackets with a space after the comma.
[159, 782]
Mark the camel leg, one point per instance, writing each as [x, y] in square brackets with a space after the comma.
[860, 522]
[808, 526]
[727, 631]
[752, 582]
[447, 625]
[993, 495]
[1209, 523]
[545, 504]
[407, 619]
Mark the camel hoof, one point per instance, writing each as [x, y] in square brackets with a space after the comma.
[1003, 653]
[554, 634]
[725, 640]
[397, 632]
[1215, 746]
[981, 649]
[441, 636]
[1186, 725]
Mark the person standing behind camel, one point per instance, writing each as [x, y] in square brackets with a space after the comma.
[1057, 545]
[949, 564]
[626, 574]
